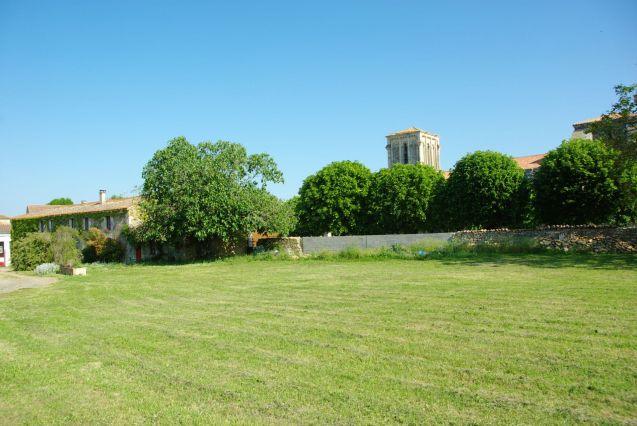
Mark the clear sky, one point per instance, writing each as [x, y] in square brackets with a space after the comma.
[90, 89]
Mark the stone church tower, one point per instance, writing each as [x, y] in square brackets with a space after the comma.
[413, 146]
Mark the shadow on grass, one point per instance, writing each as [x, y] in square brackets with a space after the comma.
[546, 260]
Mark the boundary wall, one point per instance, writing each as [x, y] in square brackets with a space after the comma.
[317, 244]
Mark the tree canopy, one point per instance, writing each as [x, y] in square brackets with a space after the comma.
[211, 190]
[62, 201]
[618, 127]
[580, 182]
[486, 189]
[332, 199]
[399, 198]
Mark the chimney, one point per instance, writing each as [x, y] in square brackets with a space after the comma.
[102, 196]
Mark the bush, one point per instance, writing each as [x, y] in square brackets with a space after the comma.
[99, 248]
[333, 199]
[31, 251]
[399, 198]
[485, 190]
[112, 251]
[64, 245]
[47, 268]
[580, 182]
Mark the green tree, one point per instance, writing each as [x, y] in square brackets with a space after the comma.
[399, 198]
[618, 127]
[486, 189]
[332, 199]
[31, 250]
[579, 182]
[618, 130]
[270, 214]
[62, 201]
[64, 245]
[202, 192]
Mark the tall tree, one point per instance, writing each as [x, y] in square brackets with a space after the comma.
[206, 191]
[62, 201]
[618, 127]
[332, 199]
[399, 198]
[580, 182]
[486, 189]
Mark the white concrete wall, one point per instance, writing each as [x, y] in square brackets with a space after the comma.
[6, 239]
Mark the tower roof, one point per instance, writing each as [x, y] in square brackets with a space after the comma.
[411, 130]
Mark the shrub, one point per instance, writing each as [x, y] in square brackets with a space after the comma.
[399, 198]
[31, 251]
[580, 182]
[485, 190]
[333, 199]
[64, 245]
[99, 248]
[47, 268]
[112, 251]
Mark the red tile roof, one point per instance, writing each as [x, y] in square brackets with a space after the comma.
[530, 162]
[36, 211]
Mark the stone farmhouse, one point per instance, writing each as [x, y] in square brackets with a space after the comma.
[111, 216]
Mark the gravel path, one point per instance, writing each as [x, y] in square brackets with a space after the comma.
[10, 281]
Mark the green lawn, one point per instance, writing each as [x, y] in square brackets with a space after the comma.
[487, 340]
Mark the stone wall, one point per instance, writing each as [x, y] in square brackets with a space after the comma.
[597, 239]
[317, 244]
[289, 245]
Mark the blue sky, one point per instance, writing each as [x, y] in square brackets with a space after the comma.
[89, 90]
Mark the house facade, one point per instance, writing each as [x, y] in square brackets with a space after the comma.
[5, 241]
[110, 216]
[582, 129]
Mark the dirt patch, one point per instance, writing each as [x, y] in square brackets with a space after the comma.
[10, 281]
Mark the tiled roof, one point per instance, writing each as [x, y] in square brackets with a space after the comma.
[598, 118]
[35, 208]
[90, 207]
[3, 217]
[5, 228]
[530, 162]
[410, 130]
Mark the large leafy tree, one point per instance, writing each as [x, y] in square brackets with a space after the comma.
[486, 189]
[618, 127]
[400, 197]
[580, 182]
[332, 200]
[212, 190]
[618, 130]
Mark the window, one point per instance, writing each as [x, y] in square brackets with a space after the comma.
[41, 226]
[405, 154]
[51, 225]
[87, 223]
[72, 223]
[109, 223]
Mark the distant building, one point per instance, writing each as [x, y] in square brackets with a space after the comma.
[581, 129]
[108, 215]
[529, 163]
[416, 146]
[5, 241]
[413, 146]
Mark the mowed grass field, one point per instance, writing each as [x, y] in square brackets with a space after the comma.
[501, 339]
